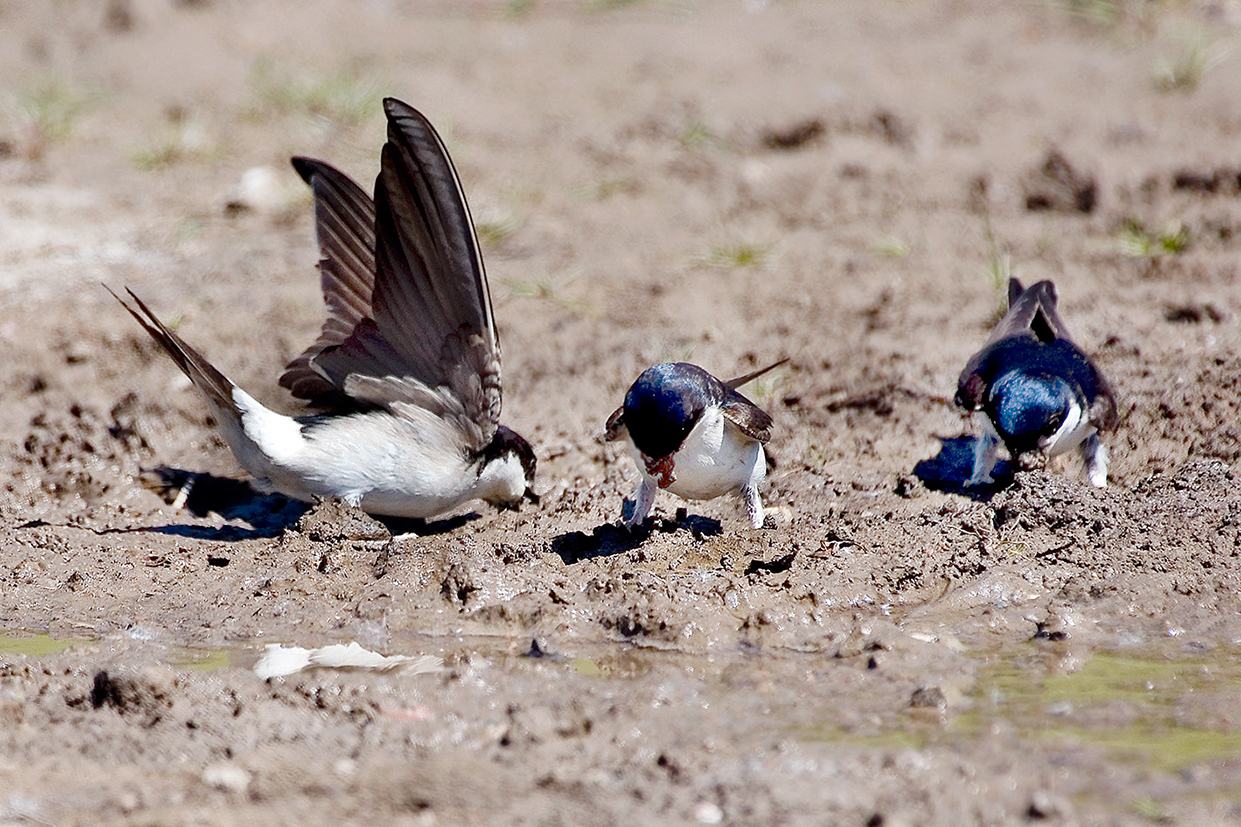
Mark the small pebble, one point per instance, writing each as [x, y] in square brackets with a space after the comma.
[227, 777]
[707, 813]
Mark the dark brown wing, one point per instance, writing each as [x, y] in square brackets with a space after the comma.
[753, 421]
[1031, 313]
[750, 377]
[1103, 413]
[1048, 326]
[345, 232]
[615, 425]
[432, 344]
[1031, 310]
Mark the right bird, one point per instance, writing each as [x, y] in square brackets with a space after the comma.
[693, 435]
[1035, 390]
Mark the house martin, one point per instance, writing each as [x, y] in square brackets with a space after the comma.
[693, 435]
[404, 380]
[1034, 390]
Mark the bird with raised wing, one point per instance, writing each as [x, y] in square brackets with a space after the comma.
[1033, 389]
[404, 380]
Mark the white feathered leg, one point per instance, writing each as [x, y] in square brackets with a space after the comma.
[985, 452]
[1095, 454]
[753, 505]
[643, 499]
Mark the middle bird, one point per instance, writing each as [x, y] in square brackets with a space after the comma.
[693, 435]
[407, 368]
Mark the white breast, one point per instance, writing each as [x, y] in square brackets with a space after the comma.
[715, 459]
[1071, 432]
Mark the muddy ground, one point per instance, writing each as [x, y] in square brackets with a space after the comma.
[731, 183]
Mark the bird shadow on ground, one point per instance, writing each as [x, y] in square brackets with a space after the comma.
[264, 515]
[425, 528]
[611, 538]
[949, 470]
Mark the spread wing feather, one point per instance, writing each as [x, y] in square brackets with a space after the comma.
[431, 340]
[345, 232]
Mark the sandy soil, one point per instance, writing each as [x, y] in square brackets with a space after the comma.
[729, 183]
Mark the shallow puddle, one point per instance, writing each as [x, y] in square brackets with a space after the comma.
[202, 660]
[38, 645]
[1157, 709]
[35, 645]
[1161, 709]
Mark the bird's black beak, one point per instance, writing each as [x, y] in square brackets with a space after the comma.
[531, 496]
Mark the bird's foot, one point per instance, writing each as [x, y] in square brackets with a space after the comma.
[985, 454]
[777, 516]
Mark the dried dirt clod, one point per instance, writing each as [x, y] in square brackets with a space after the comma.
[893, 128]
[145, 694]
[1059, 623]
[262, 190]
[777, 516]
[1047, 805]
[795, 136]
[928, 697]
[1194, 313]
[871, 636]
[706, 812]
[776, 565]
[1056, 185]
[1223, 180]
[909, 486]
[333, 520]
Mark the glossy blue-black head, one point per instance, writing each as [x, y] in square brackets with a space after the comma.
[665, 402]
[1025, 407]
